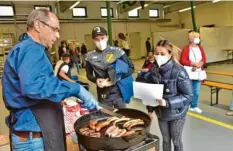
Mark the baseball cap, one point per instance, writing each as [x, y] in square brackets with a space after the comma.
[98, 31]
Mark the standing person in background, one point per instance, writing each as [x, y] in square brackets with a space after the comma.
[177, 95]
[230, 113]
[193, 56]
[116, 43]
[83, 54]
[111, 70]
[148, 45]
[73, 56]
[124, 44]
[63, 48]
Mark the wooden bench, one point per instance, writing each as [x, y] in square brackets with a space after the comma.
[215, 87]
[220, 73]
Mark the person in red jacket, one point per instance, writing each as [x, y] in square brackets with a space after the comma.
[193, 55]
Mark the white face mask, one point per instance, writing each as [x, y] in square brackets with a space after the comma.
[101, 45]
[196, 40]
[162, 60]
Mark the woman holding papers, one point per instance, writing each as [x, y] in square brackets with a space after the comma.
[177, 94]
[193, 58]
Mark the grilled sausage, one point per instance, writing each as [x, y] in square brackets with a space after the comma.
[111, 119]
[131, 132]
[130, 122]
[83, 129]
[121, 120]
[92, 124]
[101, 125]
[135, 124]
[121, 132]
[138, 129]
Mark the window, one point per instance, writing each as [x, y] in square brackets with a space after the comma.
[133, 13]
[79, 12]
[104, 12]
[43, 7]
[6, 11]
[154, 13]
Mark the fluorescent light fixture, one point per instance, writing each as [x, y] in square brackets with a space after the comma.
[186, 9]
[120, 1]
[215, 1]
[75, 4]
[166, 6]
[140, 7]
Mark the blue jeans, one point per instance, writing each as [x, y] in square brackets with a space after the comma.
[196, 91]
[231, 105]
[143, 74]
[31, 144]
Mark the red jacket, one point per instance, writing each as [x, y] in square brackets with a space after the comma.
[184, 57]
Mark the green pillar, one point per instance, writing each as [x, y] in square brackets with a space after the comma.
[193, 16]
[109, 20]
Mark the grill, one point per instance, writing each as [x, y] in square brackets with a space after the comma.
[149, 142]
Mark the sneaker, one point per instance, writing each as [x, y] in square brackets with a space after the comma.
[191, 109]
[229, 113]
[196, 109]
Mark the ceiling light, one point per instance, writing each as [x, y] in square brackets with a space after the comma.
[75, 4]
[185, 9]
[166, 6]
[140, 7]
[215, 1]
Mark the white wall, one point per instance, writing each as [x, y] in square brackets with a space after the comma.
[219, 13]
[214, 40]
[78, 30]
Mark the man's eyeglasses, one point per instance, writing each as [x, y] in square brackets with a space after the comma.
[55, 29]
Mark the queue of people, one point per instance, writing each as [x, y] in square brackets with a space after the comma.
[33, 92]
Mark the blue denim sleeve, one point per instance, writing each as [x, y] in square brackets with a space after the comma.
[37, 80]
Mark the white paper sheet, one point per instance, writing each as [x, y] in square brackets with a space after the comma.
[148, 93]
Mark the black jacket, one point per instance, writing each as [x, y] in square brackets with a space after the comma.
[148, 46]
[83, 49]
[177, 90]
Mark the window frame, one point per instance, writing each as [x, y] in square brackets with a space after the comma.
[154, 16]
[111, 9]
[13, 7]
[138, 15]
[50, 7]
[85, 8]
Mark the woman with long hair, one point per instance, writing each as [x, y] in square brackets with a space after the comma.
[177, 94]
[124, 44]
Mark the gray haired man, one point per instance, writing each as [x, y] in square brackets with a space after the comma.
[33, 94]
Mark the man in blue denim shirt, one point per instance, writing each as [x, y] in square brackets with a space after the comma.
[32, 93]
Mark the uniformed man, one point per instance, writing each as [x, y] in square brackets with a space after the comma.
[32, 93]
[111, 70]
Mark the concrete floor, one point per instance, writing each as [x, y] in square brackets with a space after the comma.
[210, 131]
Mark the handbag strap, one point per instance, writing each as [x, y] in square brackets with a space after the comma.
[193, 54]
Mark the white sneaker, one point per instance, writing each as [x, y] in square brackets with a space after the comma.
[191, 109]
[196, 109]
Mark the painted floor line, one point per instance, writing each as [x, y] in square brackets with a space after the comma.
[201, 117]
